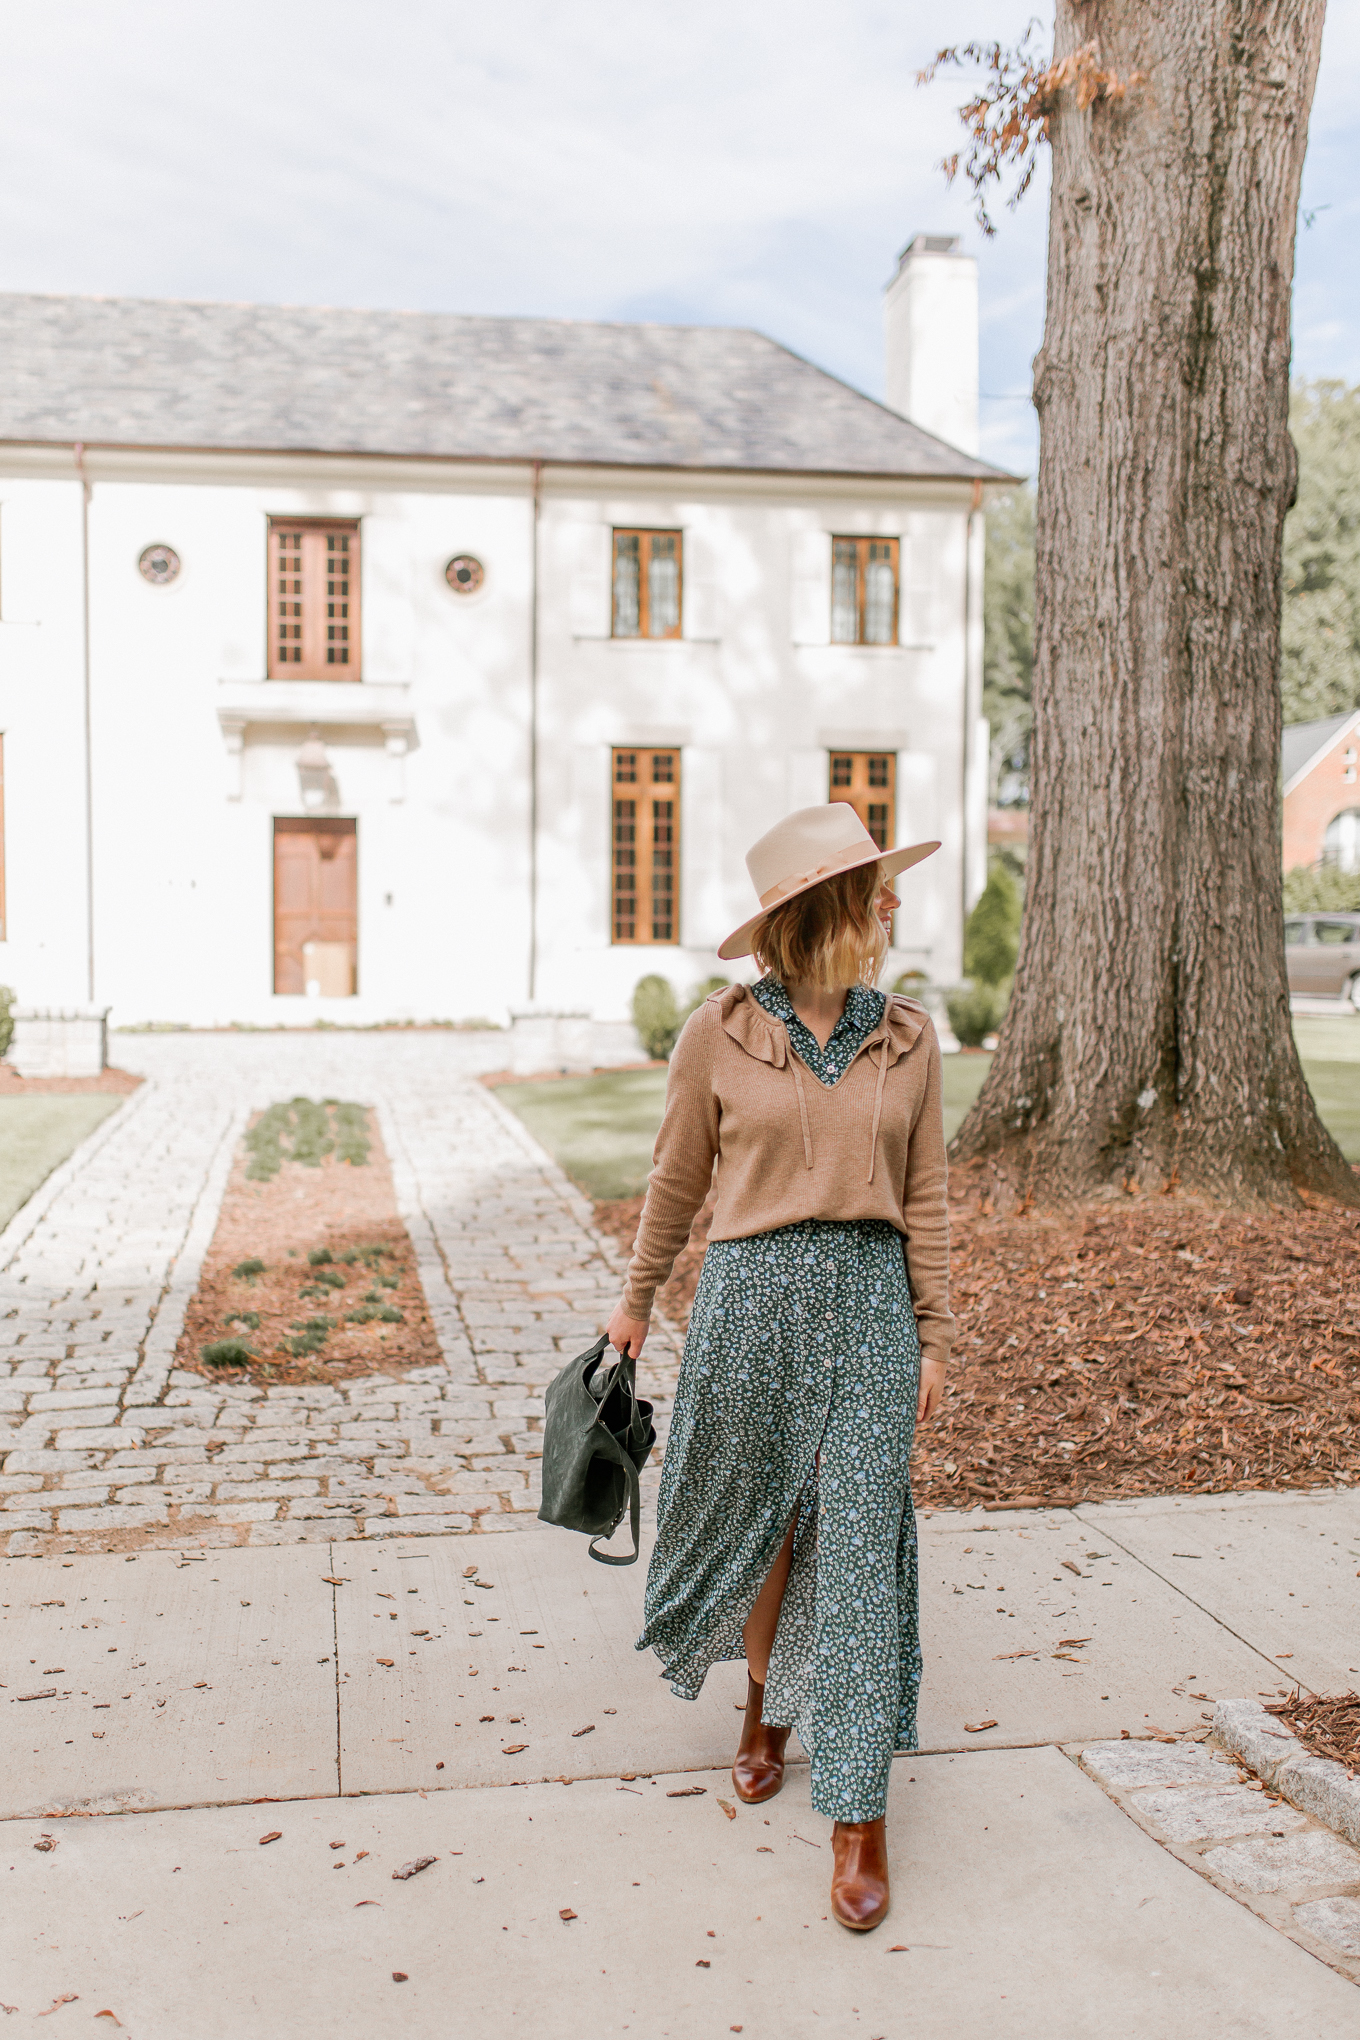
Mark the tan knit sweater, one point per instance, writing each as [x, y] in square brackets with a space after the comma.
[788, 1148]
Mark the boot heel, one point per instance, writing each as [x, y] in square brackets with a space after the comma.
[758, 1771]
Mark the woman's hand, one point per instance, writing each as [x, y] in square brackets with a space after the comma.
[627, 1334]
[931, 1392]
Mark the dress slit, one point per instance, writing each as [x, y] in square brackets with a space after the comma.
[798, 1391]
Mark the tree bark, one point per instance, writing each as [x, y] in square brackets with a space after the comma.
[1148, 1040]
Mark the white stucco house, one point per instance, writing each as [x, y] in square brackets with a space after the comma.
[376, 666]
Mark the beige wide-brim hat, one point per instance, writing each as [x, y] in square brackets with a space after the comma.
[809, 845]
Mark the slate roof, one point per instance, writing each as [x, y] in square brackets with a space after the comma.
[140, 372]
[1300, 742]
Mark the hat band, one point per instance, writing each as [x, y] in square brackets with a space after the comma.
[801, 880]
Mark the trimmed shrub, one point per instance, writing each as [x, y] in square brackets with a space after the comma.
[1329, 891]
[6, 1018]
[976, 1011]
[656, 1016]
[701, 991]
[991, 936]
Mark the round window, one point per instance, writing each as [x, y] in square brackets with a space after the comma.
[159, 564]
[464, 574]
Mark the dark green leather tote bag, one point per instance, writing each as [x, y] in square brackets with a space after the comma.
[596, 1437]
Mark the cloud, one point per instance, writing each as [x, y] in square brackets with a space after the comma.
[731, 161]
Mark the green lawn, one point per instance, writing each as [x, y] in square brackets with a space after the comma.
[38, 1133]
[601, 1129]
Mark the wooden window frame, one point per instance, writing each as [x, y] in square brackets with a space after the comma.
[646, 540]
[644, 846]
[312, 601]
[867, 782]
[867, 550]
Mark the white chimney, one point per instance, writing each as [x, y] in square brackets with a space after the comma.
[930, 322]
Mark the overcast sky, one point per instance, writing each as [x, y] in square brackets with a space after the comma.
[725, 161]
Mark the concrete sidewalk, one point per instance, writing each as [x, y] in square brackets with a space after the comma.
[346, 1686]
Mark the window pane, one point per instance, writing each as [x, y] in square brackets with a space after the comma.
[663, 586]
[663, 768]
[842, 771]
[1341, 844]
[314, 603]
[627, 585]
[880, 598]
[877, 823]
[845, 592]
[878, 771]
[625, 768]
[663, 870]
[625, 870]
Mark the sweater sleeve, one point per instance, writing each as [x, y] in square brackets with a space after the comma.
[682, 1164]
[925, 1210]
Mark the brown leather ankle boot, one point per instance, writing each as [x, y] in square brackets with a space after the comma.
[759, 1770]
[859, 1881]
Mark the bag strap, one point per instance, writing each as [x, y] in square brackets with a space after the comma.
[623, 1374]
[635, 1518]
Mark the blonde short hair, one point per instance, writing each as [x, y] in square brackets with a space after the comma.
[828, 935]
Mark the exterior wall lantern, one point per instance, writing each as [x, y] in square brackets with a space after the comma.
[316, 781]
[397, 743]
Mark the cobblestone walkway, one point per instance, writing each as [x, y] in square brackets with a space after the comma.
[106, 1445]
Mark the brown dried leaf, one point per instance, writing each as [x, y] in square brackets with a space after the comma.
[274, 1835]
[413, 1868]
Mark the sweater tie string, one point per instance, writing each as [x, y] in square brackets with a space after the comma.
[802, 1109]
[878, 1108]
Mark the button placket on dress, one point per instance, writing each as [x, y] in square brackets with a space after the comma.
[830, 1337]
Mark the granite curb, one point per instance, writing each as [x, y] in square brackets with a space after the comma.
[1316, 1785]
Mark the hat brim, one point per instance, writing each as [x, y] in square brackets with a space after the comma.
[738, 943]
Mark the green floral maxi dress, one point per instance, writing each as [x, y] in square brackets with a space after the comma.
[798, 1391]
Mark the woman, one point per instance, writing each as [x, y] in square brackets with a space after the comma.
[818, 1337]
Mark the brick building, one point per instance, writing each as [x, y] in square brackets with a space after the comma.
[1319, 763]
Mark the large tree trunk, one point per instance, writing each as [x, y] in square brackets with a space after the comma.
[1148, 1039]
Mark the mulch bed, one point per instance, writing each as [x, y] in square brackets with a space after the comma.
[12, 1085]
[1148, 1347]
[1325, 1727]
[297, 1251]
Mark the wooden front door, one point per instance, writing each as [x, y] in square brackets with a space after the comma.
[316, 907]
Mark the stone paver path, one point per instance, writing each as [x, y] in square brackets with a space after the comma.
[107, 1445]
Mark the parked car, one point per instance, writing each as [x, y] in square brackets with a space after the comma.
[1323, 955]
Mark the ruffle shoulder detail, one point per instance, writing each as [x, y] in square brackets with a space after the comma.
[749, 1025]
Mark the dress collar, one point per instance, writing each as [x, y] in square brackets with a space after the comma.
[863, 1013]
